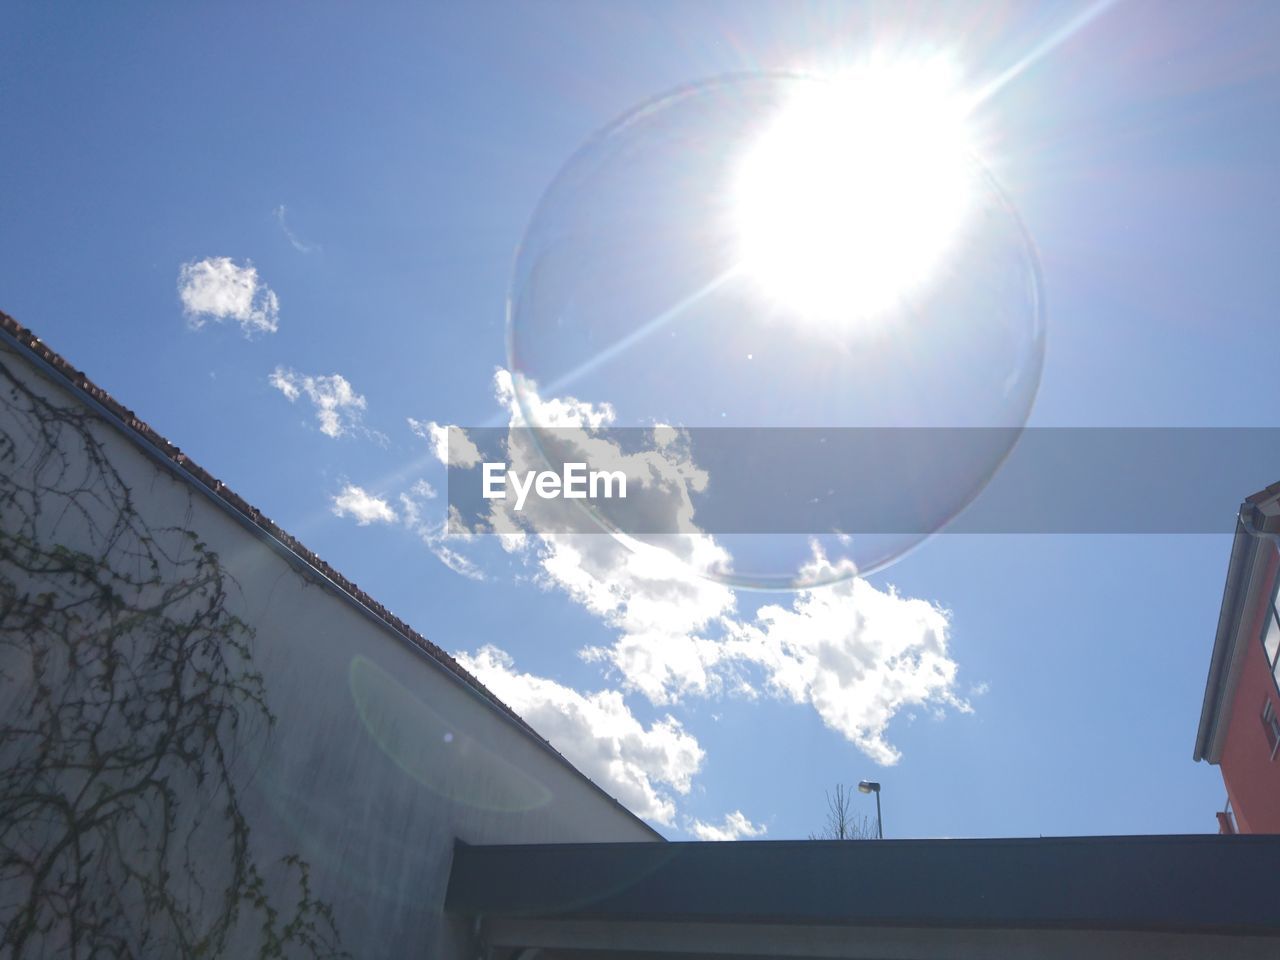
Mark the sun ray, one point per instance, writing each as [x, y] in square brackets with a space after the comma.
[1041, 50]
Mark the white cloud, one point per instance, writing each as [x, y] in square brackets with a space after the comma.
[666, 666]
[338, 406]
[735, 826]
[640, 589]
[216, 289]
[651, 591]
[854, 653]
[451, 445]
[356, 502]
[599, 735]
[857, 655]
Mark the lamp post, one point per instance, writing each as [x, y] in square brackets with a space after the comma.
[871, 786]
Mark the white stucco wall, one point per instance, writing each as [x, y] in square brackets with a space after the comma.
[378, 760]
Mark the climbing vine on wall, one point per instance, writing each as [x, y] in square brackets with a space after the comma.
[131, 714]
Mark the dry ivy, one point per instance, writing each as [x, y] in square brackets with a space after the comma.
[129, 710]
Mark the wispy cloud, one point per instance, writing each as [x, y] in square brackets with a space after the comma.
[217, 289]
[642, 765]
[423, 489]
[363, 506]
[415, 516]
[338, 407]
[451, 446]
[735, 826]
[434, 533]
[294, 240]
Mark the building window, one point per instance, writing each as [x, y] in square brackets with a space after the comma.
[1271, 642]
[1271, 724]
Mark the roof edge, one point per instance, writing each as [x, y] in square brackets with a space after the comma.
[1244, 548]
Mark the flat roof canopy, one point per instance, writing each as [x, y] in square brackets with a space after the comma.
[1159, 896]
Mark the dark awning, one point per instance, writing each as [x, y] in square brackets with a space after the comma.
[1134, 896]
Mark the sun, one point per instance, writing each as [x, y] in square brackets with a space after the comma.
[854, 191]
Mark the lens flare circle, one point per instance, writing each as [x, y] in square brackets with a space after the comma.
[773, 250]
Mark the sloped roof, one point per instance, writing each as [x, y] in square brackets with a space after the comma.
[182, 465]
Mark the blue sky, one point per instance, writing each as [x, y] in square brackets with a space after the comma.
[405, 149]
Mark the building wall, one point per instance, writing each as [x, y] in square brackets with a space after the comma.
[204, 747]
[1252, 778]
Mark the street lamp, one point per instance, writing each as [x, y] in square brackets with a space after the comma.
[870, 786]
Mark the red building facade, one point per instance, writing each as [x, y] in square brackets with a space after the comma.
[1240, 719]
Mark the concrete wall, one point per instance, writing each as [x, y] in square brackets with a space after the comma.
[204, 747]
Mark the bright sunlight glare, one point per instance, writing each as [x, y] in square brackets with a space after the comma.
[854, 191]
